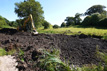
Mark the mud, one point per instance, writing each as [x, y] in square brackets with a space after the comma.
[77, 50]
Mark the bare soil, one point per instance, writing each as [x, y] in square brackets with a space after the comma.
[77, 49]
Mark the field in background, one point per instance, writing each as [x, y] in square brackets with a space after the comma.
[75, 30]
[6, 26]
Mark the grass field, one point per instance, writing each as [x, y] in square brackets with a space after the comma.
[72, 30]
[75, 30]
[6, 26]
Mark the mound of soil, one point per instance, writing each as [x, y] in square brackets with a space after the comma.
[8, 31]
[78, 50]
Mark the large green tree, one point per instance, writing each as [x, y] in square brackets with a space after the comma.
[24, 9]
[96, 9]
[73, 20]
[93, 19]
[70, 21]
[63, 24]
[77, 18]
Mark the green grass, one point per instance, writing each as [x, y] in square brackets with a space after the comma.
[21, 55]
[89, 68]
[4, 52]
[6, 26]
[50, 61]
[105, 36]
[92, 67]
[74, 30]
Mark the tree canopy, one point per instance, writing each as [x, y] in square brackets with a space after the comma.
[93, 20]
[24, 9]
[73, 20]
[69, 21]
[77, 18]
[95, 9]
[63, 24]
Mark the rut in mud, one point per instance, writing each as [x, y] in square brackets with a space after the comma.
[78, 50]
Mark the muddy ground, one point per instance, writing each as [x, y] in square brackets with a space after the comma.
[78, 50]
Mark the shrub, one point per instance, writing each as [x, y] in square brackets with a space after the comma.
[2, 22]
[13, 24]
[93, 20]
[55, 26]
[103, 22]
[86, 21]
[46, 25]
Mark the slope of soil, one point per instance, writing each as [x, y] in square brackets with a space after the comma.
[78, 50]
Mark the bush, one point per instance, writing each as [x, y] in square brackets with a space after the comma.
[7, 21]
[55, 26]
[93, 20]
[86, 21]
[2, 22]
[20, 21]
[46, 25]
[103, 22]
[13, 24]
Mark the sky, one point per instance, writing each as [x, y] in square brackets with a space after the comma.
[55, 11]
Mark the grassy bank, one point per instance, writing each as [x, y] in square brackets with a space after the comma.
[75, 30]
[6, 26]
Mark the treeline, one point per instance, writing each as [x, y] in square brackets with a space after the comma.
[95, 16]
[23, 10]
[19, 22]
[2, 21]
[6, 23]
